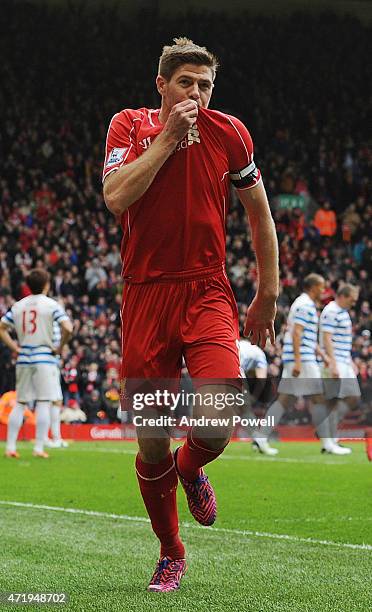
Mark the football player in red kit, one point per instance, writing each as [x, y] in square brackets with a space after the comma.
[167, 175]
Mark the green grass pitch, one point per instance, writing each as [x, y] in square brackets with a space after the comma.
[293, 534]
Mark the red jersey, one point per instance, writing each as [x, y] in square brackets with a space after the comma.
[178, 225]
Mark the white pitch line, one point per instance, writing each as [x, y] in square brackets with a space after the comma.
[123, 517]
[260, 458]
[210, 530]
[309, 461]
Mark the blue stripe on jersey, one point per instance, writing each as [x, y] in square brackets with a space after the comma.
[308, 353]
[297, 318]
[331, 325]
[304, 359]
[309, 334]
[308, 341]
[33, 346]
[303, 354]
[31, 363]
[32, 355]
[338, 344]
[9, 316]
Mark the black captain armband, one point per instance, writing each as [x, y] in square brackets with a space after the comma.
[247, 177]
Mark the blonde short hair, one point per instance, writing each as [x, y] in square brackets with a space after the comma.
[346, 290]
[185, 51]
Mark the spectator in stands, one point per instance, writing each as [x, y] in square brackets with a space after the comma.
[351, 222]
[93, 407]
[325, 220]
[72, 413]
[367, 257]
[94, 274]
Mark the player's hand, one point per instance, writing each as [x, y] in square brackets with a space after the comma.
[182, 117]
[259, 324]
[334, 370]
[296, 370]
[325, 358]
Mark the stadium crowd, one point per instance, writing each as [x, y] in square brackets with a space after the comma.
[307, 122]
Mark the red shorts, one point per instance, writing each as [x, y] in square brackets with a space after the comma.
[195, 318]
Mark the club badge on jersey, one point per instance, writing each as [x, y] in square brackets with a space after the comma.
[193, 135]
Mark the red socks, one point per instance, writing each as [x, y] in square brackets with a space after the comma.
[193, 455]
[158, 485]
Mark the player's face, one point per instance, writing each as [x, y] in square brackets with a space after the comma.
[351, 300]
[318, 291]
[188, 82]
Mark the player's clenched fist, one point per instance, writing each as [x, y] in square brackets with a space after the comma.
[181, 118]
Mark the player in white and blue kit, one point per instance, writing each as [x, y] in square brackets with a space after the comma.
[253, 366]
[300, 343]
[336, 337]
[37, 372]
[301, 374]
[253, 360]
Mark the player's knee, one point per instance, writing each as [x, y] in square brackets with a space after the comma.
[216, 443]
[153, 450]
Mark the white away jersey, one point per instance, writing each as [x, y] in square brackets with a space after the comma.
[251, 356]
[303, 311]
[33, 319]
[336, 320]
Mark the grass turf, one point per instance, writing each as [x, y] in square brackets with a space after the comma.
[319, 504]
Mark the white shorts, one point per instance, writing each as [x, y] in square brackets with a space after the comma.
[38, 382]
[345, 386]
[309, 382]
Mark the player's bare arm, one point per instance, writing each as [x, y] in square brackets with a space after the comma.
[125, 186]
[261, 313]
[261, 372]
[328, 354]
[7, 339]
[296, 339]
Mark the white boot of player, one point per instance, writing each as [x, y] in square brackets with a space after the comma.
[262, 445]
[56, 443]
[334, 449]
[345, 450]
